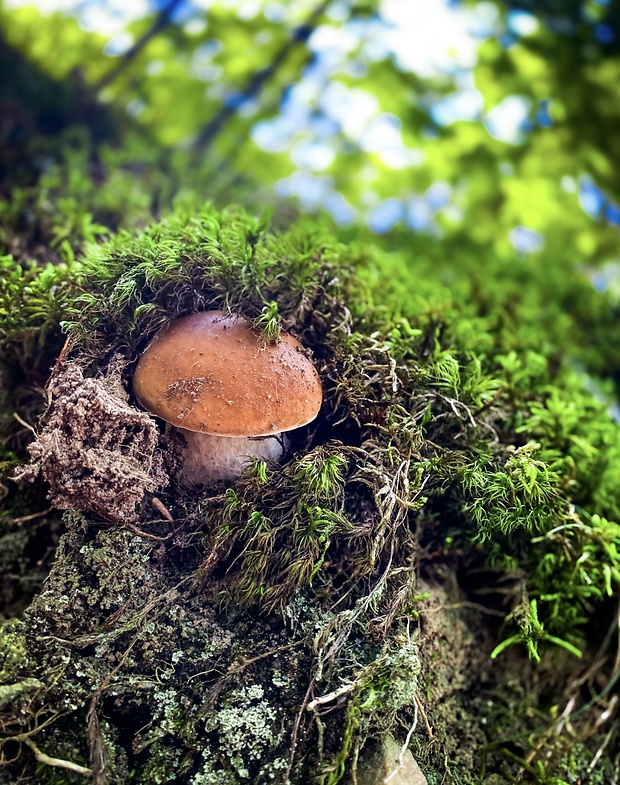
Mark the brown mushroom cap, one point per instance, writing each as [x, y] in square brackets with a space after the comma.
[210, 372]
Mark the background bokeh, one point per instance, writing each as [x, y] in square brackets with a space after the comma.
[497, 121]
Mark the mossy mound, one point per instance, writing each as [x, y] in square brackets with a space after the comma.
[444, 445]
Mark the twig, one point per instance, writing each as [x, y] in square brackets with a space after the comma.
[96, 747]
[255, 84]
[238, 667]
[403, 749]
[25, 736]
[601, 749]
[146, 535]
[331, 696]
[427, 725]
[24, 423]
[564, 716]
[300, 713]
[58, 762]
[25, 518]
[161, 21]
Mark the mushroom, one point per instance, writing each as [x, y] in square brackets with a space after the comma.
[232, 395]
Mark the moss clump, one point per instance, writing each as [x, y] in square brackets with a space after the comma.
[434, 434]
[12, 649]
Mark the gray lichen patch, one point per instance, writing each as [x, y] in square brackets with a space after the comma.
[100, 580]
[170, 677]
[247, 727]
[95, 451]
[185, 690]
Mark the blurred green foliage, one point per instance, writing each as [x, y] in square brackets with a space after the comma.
[186, 78]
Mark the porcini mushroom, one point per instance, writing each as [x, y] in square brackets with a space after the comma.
[233, 394]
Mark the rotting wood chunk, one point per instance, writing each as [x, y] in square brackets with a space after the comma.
[95, 451]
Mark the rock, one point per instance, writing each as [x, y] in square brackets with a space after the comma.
[379, 765]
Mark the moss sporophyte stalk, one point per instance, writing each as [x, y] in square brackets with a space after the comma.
[272, 627]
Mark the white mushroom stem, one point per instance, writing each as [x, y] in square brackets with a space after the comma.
[208, 459]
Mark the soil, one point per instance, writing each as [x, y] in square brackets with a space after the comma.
[95, 451]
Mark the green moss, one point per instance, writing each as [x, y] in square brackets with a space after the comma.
[131, 285]
[13, 658]
[577, 761]
[435, 409]
[439, 425]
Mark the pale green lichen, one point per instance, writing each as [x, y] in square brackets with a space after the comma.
[279, 679]
[247, 727]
